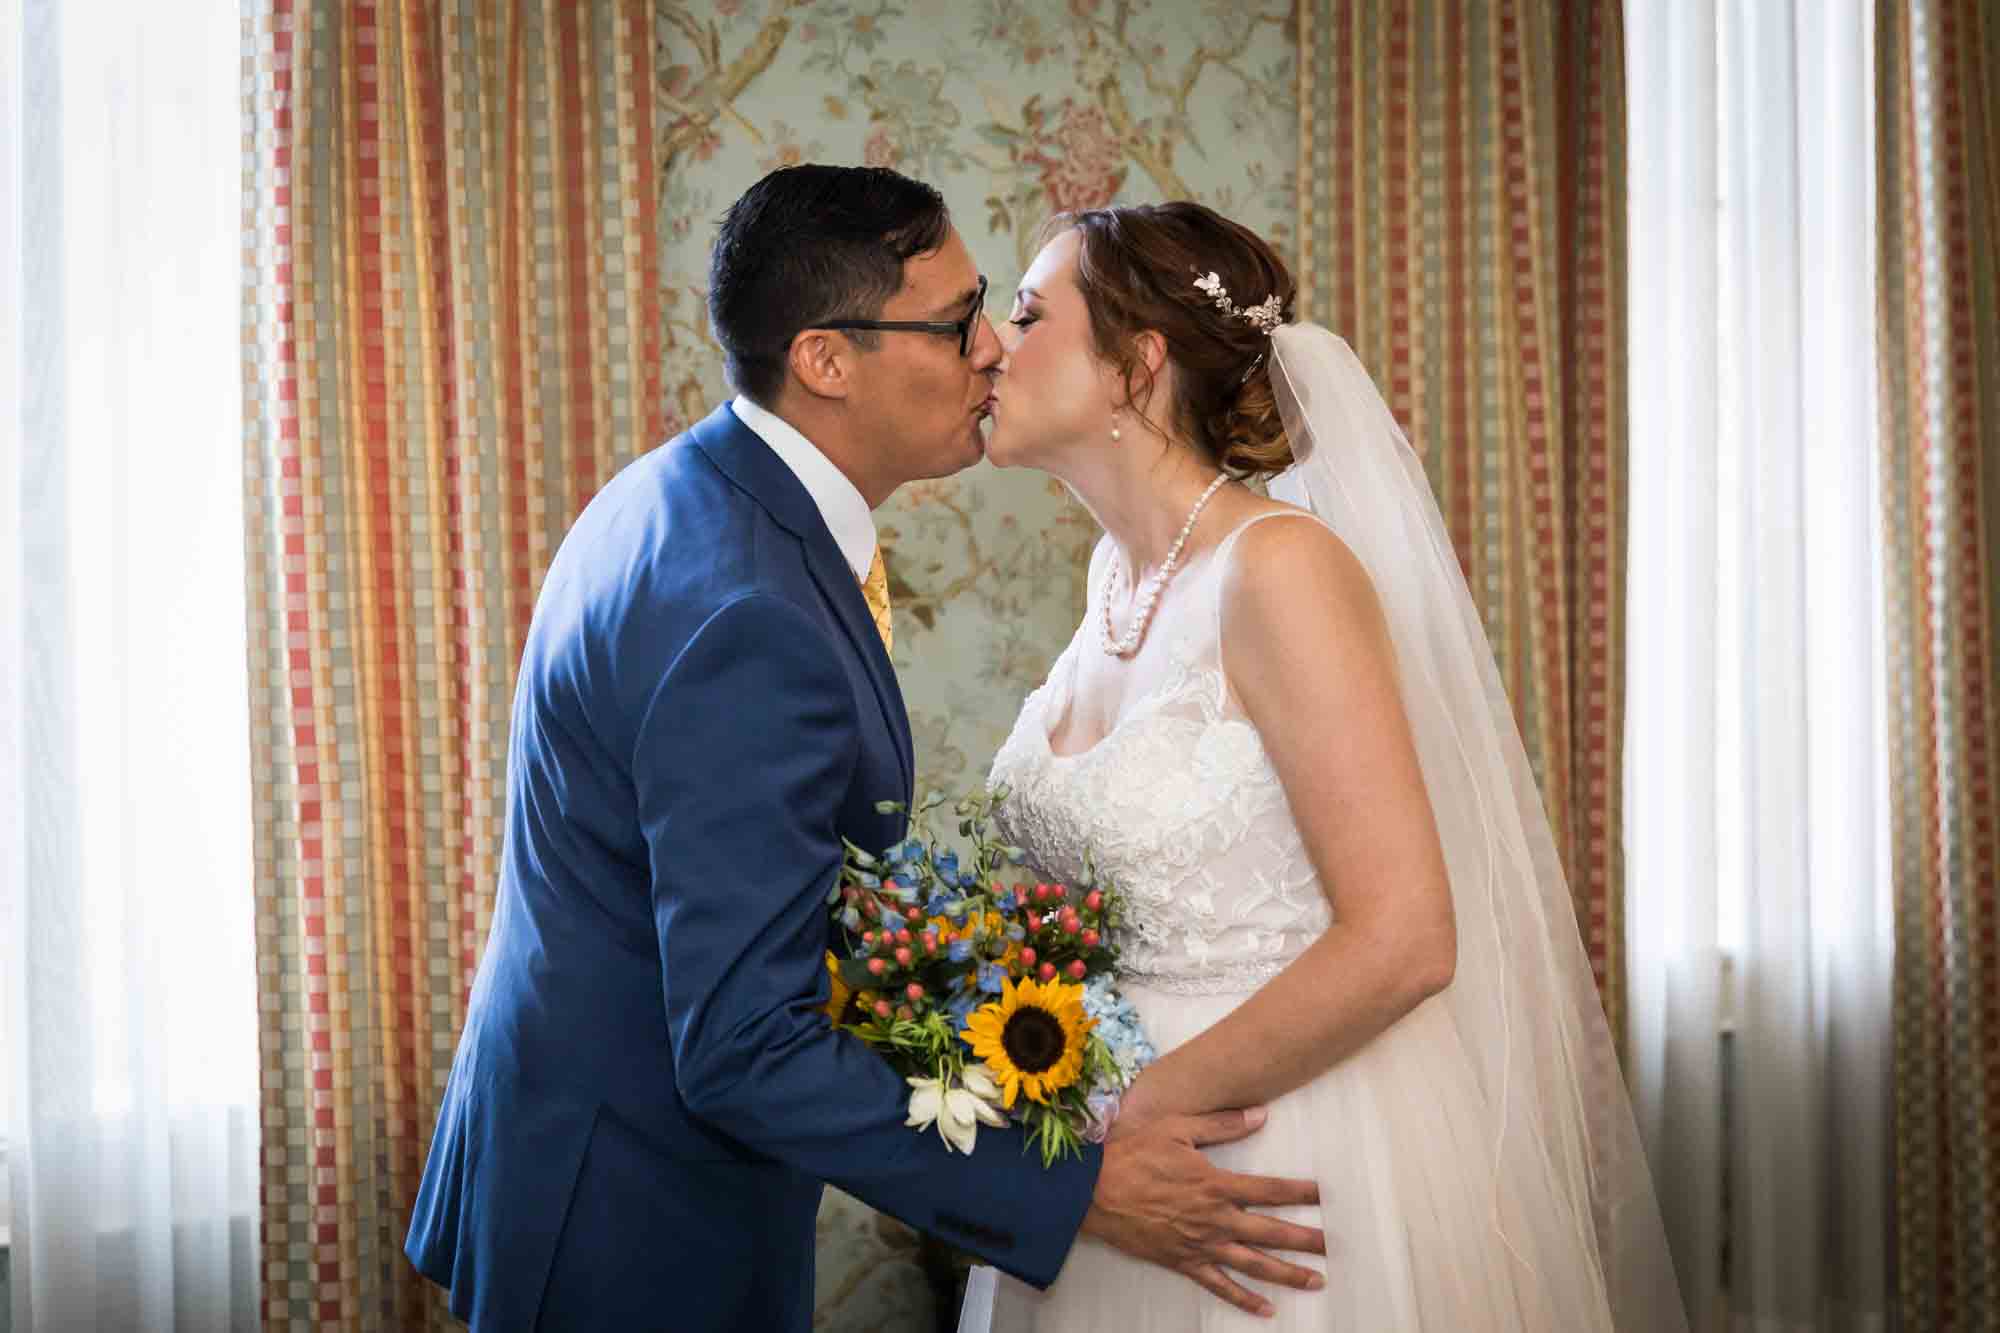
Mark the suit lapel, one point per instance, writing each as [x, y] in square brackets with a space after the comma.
[749, 462]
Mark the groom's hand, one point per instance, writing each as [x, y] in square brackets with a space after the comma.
[1159, 1199]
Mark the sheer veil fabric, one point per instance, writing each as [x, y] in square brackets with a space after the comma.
[1523, 1001]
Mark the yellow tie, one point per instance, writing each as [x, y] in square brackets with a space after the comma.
[875, 590]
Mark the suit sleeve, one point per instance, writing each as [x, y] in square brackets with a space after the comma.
[744, 755]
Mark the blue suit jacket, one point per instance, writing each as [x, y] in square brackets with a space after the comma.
[646, 1097]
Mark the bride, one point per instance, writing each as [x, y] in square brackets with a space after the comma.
[1280, 729]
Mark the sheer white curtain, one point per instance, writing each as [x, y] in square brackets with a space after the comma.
[1756, 793]
[125, 902]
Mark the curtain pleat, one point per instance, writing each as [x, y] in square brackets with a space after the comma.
[1938, 186]
[452, 332]
[1461, 224]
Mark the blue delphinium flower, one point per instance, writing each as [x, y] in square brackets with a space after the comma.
[960, 950]
[1119, 1027]
[992, 978]
[946, 865]
[960, 1007]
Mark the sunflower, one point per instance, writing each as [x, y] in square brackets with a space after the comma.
[842, 996]
[1031, 1038]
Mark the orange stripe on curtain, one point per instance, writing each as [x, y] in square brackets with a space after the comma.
[451, 336]
[1938, 192]
[1461, 223]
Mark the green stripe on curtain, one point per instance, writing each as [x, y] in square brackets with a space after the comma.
[1461, 223]
[452, 332]
[1938, 201]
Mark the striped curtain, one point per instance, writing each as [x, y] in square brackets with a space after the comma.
[451, 339]
[1461, 223]
[1938, 192]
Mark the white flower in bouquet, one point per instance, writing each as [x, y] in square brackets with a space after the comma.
[958, 1108]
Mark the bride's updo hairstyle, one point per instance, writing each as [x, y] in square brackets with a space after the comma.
[1137, 268]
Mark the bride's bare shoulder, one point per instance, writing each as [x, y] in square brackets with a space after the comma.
[1288, 572]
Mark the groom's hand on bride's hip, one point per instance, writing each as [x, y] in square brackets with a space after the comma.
[1160, 1199]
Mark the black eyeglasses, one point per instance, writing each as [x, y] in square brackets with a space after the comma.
[963, 328]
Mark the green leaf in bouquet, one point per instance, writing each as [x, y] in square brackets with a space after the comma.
[1052, 1132]
[854, 971]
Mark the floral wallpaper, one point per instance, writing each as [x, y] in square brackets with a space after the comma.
[1013, 111]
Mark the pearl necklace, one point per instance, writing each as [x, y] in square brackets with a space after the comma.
[1149, 595]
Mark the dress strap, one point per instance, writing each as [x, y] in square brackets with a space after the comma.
[1221, 566]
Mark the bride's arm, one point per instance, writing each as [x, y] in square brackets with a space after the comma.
[1308, 654]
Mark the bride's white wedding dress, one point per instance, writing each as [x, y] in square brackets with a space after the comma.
[1478, 1164]
[1181, 807]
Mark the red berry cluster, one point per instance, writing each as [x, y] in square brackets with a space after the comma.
[896, 946]
[1066, 932]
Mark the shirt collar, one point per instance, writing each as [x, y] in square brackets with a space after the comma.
[840, 504]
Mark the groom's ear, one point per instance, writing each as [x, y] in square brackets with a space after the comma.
[822, 362]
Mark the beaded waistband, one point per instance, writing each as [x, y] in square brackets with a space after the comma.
[1209, 979]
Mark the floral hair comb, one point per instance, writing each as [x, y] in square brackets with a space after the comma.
[1266, 315]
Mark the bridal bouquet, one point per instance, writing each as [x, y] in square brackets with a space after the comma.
[996, 1001]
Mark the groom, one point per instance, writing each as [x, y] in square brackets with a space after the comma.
[647, 1098]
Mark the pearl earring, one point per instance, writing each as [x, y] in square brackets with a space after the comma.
[1116, 435]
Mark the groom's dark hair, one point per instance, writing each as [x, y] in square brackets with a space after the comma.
[806, 245]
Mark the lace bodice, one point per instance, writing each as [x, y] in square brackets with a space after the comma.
[1178, 804]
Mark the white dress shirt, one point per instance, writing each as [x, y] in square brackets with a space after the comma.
[840, 503]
